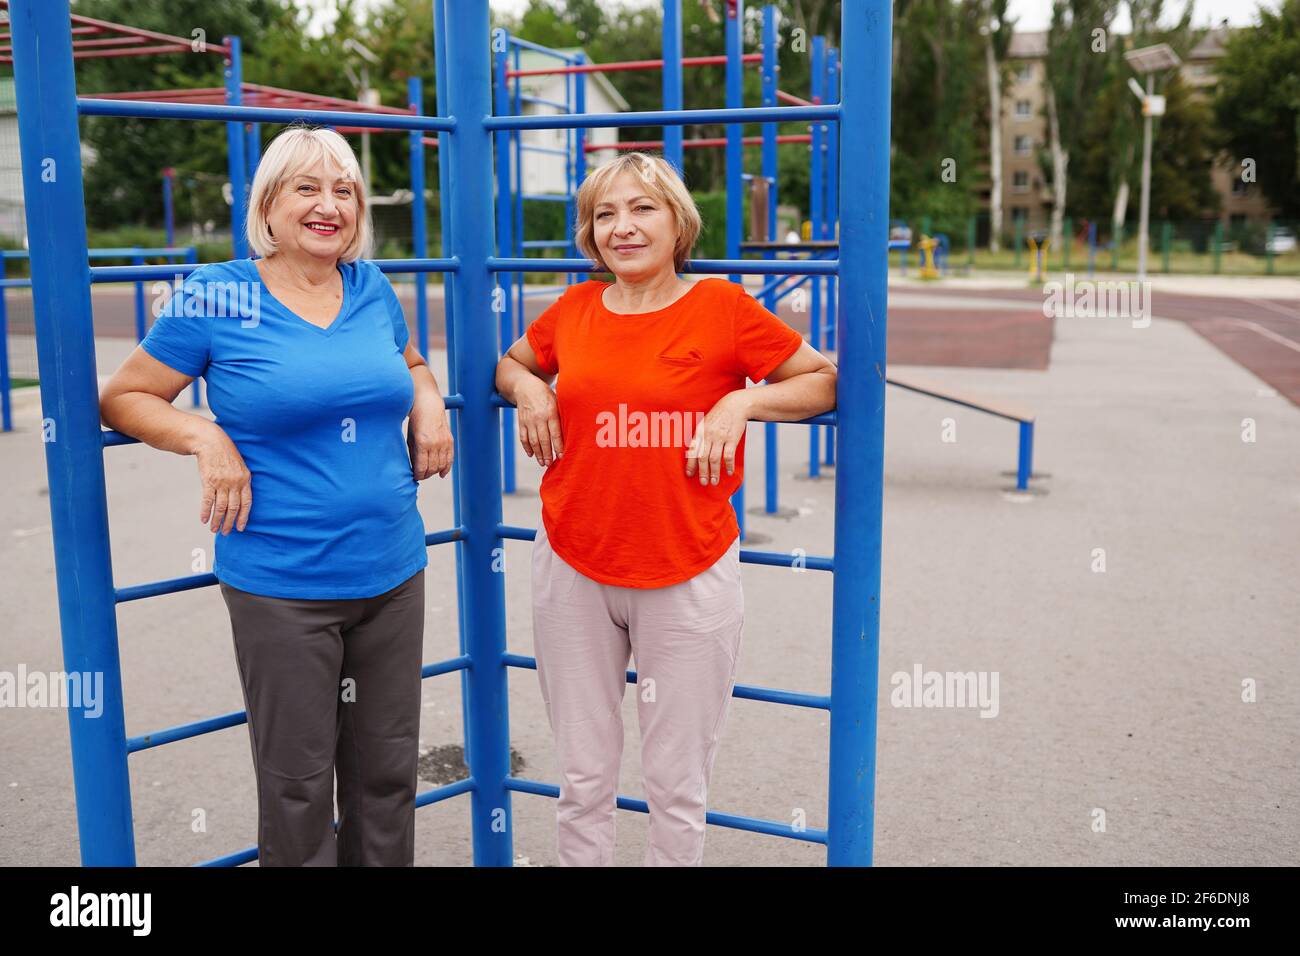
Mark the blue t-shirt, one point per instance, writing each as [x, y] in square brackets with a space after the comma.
[317, 415]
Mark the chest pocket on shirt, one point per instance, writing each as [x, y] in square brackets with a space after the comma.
[686, 357]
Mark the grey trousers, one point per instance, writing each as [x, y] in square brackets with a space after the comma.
[333, 687]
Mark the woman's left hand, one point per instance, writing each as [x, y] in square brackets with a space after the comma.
[428, 438]
[716, 439]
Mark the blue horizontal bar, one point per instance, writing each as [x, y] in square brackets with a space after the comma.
[715, 818]
[449, 666]
[756, 267]
[121, 252]
[15, 283]
[545, 290]
[525, 98]
[530, 45]
[769, 695]
[957, 401]
[238, 858]
[544, 197]
[749, 114]
[445, 537]
[165, 272]
[175, 585]
[450, 264]
[778, 559]
[113, 439]
[184, 731]
[516, 532]
[544, 149]
[170, 586]
[261, 114]
[235, 718]
[546, 243]
[436, 795]
[825, 418]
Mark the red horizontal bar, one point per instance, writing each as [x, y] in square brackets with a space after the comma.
[790, 98]
[119, 42]
[703, 143]
[631, 65]
[198, 94]
[147, 34]
[5, 37]
[332, 101]
[131, 51]
[111, 41]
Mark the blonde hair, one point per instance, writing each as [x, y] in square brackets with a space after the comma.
[293, 150]
[660, 180]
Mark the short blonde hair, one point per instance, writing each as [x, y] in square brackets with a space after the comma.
[660, 180]
[293, 150]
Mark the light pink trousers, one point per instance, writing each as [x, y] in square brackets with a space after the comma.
[685, 638]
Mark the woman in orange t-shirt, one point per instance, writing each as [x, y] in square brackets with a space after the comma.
[638, 549]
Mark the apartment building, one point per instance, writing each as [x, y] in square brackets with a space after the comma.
[1026, 193]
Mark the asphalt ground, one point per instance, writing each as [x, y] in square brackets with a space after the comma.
[1139, 609]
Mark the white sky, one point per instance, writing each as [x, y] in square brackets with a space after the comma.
[1030, 14]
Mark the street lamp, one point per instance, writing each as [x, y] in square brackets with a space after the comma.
[365, 94]
[1148, 61]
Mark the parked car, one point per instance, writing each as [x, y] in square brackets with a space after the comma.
[1282, 240]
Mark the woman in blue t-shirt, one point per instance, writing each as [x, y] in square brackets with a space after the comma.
[306, 474]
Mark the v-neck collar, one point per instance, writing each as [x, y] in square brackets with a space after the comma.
[327, 330]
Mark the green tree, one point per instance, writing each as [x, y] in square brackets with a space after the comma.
[123, 184]
[1257, 107]
[1078, 48]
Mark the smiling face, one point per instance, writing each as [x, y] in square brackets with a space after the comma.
[635, 232]
[315, 213]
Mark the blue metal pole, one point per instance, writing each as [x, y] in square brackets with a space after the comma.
[196, 395]
[864, 231]
[473, 240]
[735, 44]
[1025, 460]
[6, 409]
[771, 503]
[65, 335]
[816, 213]
[235, 152]
[446, 211]
[517, 197]
[419, 216]
[139, 302]
[672, 81]
[505, 239]
[169, 216]
[1092, 249]
[832, 219]
[578, 165]
[252, 149]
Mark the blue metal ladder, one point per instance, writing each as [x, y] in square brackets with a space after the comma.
[48, 110]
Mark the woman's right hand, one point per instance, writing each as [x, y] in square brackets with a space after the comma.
[539, 420]
[227, 483]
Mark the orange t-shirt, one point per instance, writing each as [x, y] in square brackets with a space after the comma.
[632, 391]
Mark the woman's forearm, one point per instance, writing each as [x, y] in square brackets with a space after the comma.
[157, 422]
[792, 399]
[510, 374]
[426, 386]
